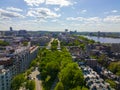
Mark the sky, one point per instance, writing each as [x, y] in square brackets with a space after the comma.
[58, 15]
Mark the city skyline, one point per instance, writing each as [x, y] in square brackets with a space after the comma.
[56, 15]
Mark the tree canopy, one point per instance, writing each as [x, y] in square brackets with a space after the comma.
[59, 63]
[17, 82]
[3, 43]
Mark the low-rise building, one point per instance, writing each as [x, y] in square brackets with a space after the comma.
[93, 80]
[91, 62]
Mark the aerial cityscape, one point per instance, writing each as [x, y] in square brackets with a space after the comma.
[59, 45]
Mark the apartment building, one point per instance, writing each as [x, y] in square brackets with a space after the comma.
[15, 62]
[5, 78]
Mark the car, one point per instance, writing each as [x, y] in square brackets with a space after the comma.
[32, 78]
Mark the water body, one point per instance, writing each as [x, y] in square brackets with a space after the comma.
[104, 39]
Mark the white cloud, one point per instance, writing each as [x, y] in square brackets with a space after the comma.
[14, 9]
[55, 20]
[56, 9]
[114, 11]
[48, 2]
[8, 14]
[112, 19]
[93, 19]
[89, 20]
[59, 2]
[42, 13]
[76, 19]
[83, 11]
[34, 2]
[106, 12]
[40, 20]
[97, 20]
[73, 8]
[31, 13]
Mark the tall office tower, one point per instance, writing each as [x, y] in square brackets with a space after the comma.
[11, 29]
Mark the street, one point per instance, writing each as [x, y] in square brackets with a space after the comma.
[36, 76]
[49, 44]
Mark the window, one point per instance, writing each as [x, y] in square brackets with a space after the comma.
[2, 88]
[2, 77]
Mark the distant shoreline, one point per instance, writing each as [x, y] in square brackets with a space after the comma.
[117, 37]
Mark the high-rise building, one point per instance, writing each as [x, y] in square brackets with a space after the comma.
[11, 29]
[66, 30]
[98, 34]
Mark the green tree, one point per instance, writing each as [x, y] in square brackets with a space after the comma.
[25, 43]
[71, 76]
[59, 86]
[28, 72]
[115, 67]
[82, 46]
[111, 82]
[30, 85]
[17, 81]
[76, 88]
[52, 68]
[54, 45]
[3, 43]
[33, 63]
[55, 63]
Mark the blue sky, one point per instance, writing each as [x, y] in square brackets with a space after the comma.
[56, 15]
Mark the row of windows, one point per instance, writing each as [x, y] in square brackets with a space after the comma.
[7, 84]
[2, 77]
[4, 88]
